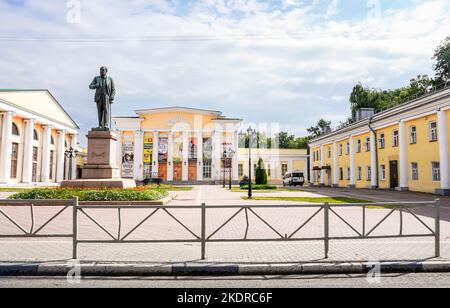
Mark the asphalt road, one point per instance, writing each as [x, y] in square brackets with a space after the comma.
[329, 281]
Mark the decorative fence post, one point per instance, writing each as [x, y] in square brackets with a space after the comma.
[437, 230]
[203, 231]
[327, 228]
[75, 228]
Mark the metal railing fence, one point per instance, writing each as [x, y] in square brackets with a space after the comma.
[203, 238]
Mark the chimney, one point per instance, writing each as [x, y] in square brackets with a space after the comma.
[364, 113]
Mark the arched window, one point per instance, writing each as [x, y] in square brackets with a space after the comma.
[36, 136]
[15, 130]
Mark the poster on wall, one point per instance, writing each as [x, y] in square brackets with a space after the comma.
[207, 148]
[148, 155]
[177, 149]
[128, 157]
[193, 148]
[148, 148]
[163, 149]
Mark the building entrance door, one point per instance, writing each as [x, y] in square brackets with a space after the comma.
[393, 174]
[192, 171]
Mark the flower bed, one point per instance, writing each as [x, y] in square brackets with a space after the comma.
[92, 195]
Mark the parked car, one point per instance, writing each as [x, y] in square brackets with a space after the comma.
[294, 178]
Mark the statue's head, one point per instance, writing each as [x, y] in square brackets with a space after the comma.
[103, 71]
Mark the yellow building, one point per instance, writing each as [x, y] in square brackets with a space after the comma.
[403, 148]
[180, 145]
[35, 133]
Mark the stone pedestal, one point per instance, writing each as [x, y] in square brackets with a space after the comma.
[101, 163]
[101, 170]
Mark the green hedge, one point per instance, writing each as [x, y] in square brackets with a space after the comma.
[260, 187]
[91, 195]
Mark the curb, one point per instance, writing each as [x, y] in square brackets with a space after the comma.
[132, 269]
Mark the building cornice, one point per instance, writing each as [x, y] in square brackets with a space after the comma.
[425, 105]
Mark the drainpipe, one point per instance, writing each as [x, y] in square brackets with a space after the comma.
[376, 150]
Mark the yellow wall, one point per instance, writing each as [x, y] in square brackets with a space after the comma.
[388, 154]
[423, 153]
[177, 121]
[343, 162]
[363, 160]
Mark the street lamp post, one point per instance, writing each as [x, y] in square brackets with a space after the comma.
[224, 166]
[250, 133]
[71, 154]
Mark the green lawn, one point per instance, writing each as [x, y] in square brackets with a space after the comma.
[237, 189]
[170, 187]
[14, 189]
[331, 200]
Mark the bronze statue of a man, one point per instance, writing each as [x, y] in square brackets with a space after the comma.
[105, 92]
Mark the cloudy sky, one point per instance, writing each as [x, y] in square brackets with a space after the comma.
[285, 61]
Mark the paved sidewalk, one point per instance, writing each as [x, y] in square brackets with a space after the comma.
[161, 226]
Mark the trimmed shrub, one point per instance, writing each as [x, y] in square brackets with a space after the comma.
[260, 187]
[92, 195]
[244, 182]
[261, 173]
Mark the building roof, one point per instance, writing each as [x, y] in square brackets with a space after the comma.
[39, 102]
[272, 152]
[410, 105]
[179, 109]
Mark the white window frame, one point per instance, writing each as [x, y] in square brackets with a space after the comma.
[369, 173]
[433, 132]
[414, 171]
[383, 172]
[367, 144]
[395, 139]
[435, 171]
[413, 135]
[382, 141]
[358, 146]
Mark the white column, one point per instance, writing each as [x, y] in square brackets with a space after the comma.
[352, 162]
[216, 154]
[27, 171]
[60, 156]
[185, 165]
[170, 158]
[45, 163]
[335, 165]
[155, 156]
[138, 155]
[322, 164]
[6, 148]
[119, 150]
[403, 157]
[444, 152]
[236, 156]
[306, 170]
[200, 156]
[73, 166]
[290, 165]
[311, 167]
[373, 155]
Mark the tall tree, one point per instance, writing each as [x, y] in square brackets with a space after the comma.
[261, 173]
[320, 129]
[442, 60]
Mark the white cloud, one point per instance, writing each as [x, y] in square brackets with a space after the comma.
[300, 65]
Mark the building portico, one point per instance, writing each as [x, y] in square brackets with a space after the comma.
[35, 132]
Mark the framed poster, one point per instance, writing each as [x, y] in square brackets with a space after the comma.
[128, 157]
[163, 149]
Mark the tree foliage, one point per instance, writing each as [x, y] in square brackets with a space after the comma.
[442, 60]
[322, 127]
[261, 173]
